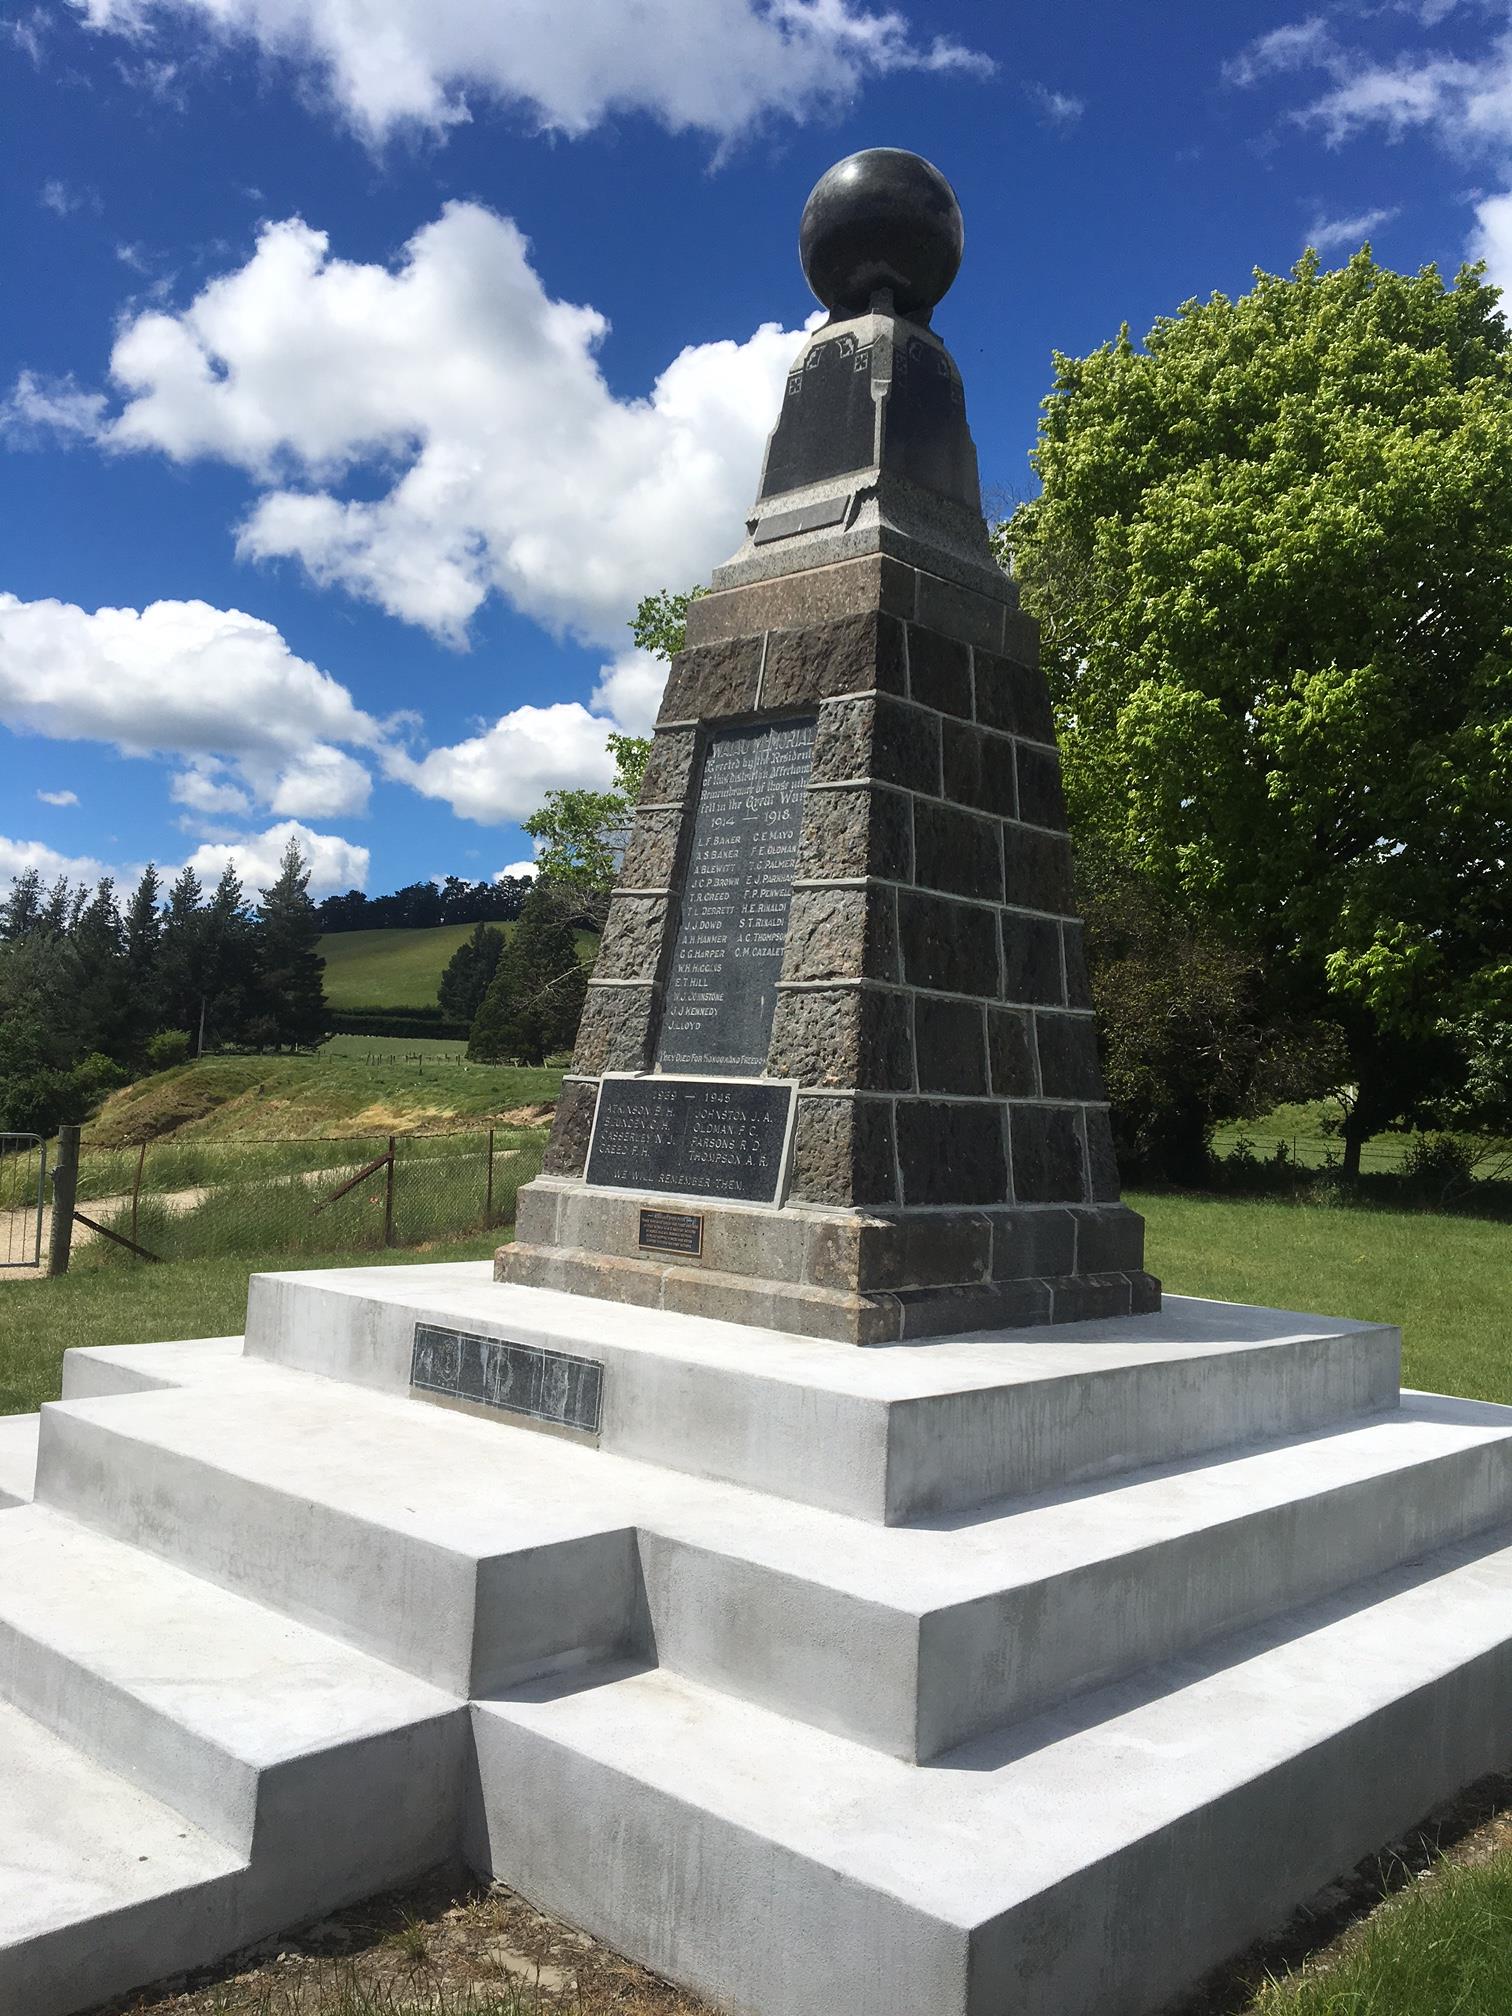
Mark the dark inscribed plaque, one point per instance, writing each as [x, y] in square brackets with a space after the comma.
[672, 1232]
[692, 1136]
[524, 1379]
[722, 989]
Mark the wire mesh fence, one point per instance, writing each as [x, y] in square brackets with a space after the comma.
[23, 1165]
[176, 1200]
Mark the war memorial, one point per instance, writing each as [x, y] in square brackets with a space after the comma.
[814, 1559]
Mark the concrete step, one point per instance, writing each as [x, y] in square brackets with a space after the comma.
[1092, 1862]
[90, 1371]
[477, 1554]
[101, 1886]
[236, 1717]
[18, 1458]
[888, 1434]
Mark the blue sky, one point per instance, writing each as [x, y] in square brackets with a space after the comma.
[362, 364]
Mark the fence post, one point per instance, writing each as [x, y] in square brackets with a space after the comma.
[488, 1199]
[136, 1191]
[65, 1190]
[388, 1197]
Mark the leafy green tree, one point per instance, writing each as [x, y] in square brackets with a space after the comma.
[1270, 561]
[468, 973]
[535, 999]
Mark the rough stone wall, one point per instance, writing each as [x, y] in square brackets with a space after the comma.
[933, 1006]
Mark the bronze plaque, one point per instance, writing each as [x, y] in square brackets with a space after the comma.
[673, 1232]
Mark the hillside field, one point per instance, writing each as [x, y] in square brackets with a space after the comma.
[399, 969]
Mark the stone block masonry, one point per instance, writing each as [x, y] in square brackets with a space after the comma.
[932, 1005]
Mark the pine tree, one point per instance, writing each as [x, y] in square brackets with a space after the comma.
[181, 956]
[230, 961]
[290, 969]
[535, 1000]
[104, 992]
[144, 945]
[468, 973]
[22, 909]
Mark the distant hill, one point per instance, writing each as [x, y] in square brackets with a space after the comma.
[399, 968]
[390, 969]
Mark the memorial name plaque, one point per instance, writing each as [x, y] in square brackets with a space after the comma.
[722, 988]
[672, 1232]
[698, 1137]
[493, 1374]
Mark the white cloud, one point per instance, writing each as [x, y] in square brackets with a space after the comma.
[205, 787]
[713, 66]
[630, 691]
[185, 679]
[63, 198]
[335, 864]
[1328, 234]
[503, 774]
[1491, 239]
[1057, 108]
[517, 871]
[1297, 45]
[18, 855]
[59, 797]
[476, 402]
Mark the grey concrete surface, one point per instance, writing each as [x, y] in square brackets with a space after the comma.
[885, 1434]
[18, 1458]
[1213, 1613]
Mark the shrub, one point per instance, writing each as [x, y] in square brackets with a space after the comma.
[167, 1048]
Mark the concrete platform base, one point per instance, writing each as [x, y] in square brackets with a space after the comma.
[1016, 1675]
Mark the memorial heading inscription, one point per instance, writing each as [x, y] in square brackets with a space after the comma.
[722, 988]
[692, 1136]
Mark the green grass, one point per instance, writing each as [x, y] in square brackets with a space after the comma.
[40, 1320]
[252, 1205]
[399, 969]
[1440, 1948]
[274, 1098]
[1445, 1280]
[389, 969]
[421, 1051]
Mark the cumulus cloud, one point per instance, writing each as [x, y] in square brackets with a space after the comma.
[713, 66]
[335, 864]
[630, 690]
[1491, 239]
[58, 797]
[1328, 234]
[185, 679]
[474, 403]
[502, 774]
[18, 855]
[517, 871]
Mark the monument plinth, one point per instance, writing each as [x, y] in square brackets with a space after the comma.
[839, 1042]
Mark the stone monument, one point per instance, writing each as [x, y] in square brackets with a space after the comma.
[838, 1072]
[1028, 1674]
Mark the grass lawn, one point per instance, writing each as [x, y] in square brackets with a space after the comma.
[1447, 1281]
[399, 969]
[269, 1098]
[40, 1320]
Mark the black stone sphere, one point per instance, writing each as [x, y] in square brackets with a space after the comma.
[882, 218]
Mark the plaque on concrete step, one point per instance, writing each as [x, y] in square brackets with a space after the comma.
[722, 987]
[494, 1374]
[672, 1232]
[699, 1137]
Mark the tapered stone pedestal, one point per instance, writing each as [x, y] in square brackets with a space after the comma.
[849, 886]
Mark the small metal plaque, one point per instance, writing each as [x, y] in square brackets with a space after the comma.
[805, 518]
[673, 1232]
[701, 1137]
[493, 1374]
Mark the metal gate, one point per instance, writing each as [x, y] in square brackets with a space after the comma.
[23, 1179]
